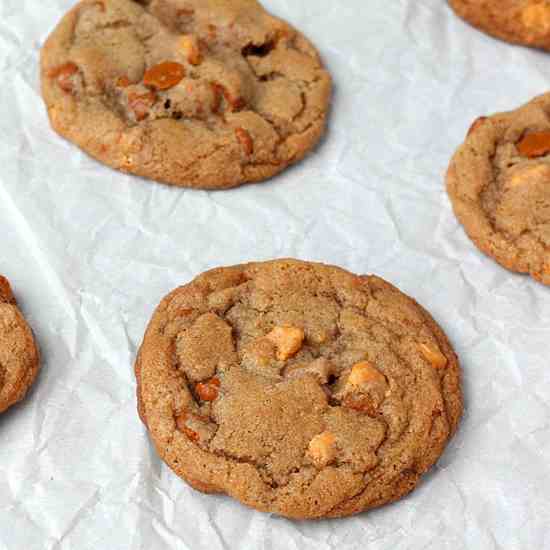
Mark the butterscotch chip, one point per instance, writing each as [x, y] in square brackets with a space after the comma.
[198, 429]
[123, 82]
[208, 391]
[364, 390]
[234, 102]
[217, 96]
[499, 185]
[64, 74]
[360, 402]
[293, 436]
[322, 449]
[245, 140]
[288, 341]
[19, 358]
[181, 423]
[525, 22]
[164, 76]
[534, 144]
[239, 94]
[140, 104]
[363, 373]
[433, 356]
[191, 49]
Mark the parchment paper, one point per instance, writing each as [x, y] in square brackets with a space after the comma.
[90, 252]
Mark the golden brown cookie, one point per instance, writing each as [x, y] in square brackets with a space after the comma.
[297, 388]
[194, 93]
[499, 185]
[525, 22]
[19, 360]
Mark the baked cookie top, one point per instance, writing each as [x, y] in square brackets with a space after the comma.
[297, 388]
[194, 93]
[499, 185]
[19, 362]
[525, 22]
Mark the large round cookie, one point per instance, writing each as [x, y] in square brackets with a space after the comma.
[499, 185]
[19, 360]
[297, 388]
[194, 93]
[524, 22]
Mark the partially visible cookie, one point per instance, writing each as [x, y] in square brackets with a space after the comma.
[297, 388]
[193, 93]
[499, 185]
[19, 359]
[525, 22]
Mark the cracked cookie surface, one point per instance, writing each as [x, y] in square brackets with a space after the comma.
[297, 388]
[499, 184]
[525, 22]
[19, 360]
[193, 93]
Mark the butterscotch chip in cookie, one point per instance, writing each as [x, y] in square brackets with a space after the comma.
[242, 397]
[209, 390]
[365, 389]
[287, 339]
[245, 140]
[534, 144]
[196, 428]
[19, 358]
[433, 356]
[191, 49]
[164, 76]
[123, 82]
[499, 185]
[139, 104]
[363, 373]
[195, 93]
[63, 75]
[322, 449]
[525, 22]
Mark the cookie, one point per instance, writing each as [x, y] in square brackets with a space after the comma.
[19, 360]
[499, 185]
[525, 22]
[195, 93]
[297, 388]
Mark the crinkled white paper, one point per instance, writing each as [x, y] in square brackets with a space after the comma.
[90, 252]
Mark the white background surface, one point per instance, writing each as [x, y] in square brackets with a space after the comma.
[90, 252]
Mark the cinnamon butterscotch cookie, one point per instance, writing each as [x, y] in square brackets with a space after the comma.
[297, 388]
[194, 93]
[499, 185]
[525, 22]
[19, 361]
